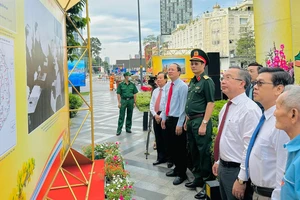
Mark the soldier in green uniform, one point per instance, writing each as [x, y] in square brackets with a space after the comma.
[199, 107]
[126, 100]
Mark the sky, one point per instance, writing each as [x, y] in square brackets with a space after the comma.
[115, 23]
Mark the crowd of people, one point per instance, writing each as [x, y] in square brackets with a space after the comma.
[256, 150]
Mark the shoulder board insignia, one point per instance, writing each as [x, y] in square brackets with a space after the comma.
[206, 77]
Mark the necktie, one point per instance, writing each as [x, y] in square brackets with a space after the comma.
[157, 103]
[252, 141]
[169, 99]
[217, 142]
[251, 91]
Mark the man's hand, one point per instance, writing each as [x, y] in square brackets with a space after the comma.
[185, 126]
[238, 190]
[157, 118]
[163, 124]
[178, 130]
[119, 105]
[202, 129]
[215, 168]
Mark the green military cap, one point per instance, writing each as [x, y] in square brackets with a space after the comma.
[199, 55]
[127, 74]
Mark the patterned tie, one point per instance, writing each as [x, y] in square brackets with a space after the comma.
[217, 142]
[252, 141]
[169, 99]
[157, 103]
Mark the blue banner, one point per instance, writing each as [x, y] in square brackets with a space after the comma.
[78, 75]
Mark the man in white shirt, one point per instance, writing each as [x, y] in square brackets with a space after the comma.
[267, 157]
[156, 106]
[241, 115]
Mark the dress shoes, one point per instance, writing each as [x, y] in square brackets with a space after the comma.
[158, 162]
[178, 180]
[194, 184]
[201, 195]
[128, 131]
[171, 173]
[118, 133]
[169, 164]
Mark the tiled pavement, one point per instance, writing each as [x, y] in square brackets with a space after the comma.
[150, 181]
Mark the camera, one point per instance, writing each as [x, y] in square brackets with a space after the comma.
[151, 81]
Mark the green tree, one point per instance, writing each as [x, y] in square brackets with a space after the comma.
[106, 66]
[80, 23]
[149, 39]
[245, 49]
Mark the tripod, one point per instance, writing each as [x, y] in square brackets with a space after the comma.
[149, 132]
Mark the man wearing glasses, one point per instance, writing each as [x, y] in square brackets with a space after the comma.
[237, 121]
[266, 156]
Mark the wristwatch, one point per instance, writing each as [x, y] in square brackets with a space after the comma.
[204, 121]
[240, 181]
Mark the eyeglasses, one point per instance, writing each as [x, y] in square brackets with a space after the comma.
[260, 83]
[226, 78]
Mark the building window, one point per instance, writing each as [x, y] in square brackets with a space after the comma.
[243, 21]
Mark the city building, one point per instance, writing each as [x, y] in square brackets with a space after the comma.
[216, 31]
[130, 64]
[106, 59]
[173, 12]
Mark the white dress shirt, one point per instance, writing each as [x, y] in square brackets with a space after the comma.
[268, 156]
[242, 118]
[155, 94]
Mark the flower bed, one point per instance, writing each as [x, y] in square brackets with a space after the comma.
[118, 187]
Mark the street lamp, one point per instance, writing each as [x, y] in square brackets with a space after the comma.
[140, 51]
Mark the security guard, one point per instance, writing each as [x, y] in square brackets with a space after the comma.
[199, 107]
[126, 100]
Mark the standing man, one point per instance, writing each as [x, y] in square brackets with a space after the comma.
[173, 117]
[126, 92]
[156, 106]
[287, 115]
[198, 109]
[237, 121]
[266, 157]
[253, 69]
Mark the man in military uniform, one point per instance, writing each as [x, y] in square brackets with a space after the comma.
[126, 92]
[199, 107]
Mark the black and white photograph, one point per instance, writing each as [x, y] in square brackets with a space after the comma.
[44, 63]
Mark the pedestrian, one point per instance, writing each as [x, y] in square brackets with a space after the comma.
[173, 116]
[126, 92]
[287, 115]
[237, 121]
[266, 156]
[198, 109]
[156, 106]
[253, 69]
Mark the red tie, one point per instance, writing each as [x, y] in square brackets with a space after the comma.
[217, 142]
[169, 99]
[157, 103]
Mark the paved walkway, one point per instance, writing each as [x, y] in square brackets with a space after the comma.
[150, 181]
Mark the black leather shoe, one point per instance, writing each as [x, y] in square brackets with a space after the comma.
[201, 195]
[169, 164]
[194, 184]
[171, 173]
[128, 131]
[178, 180]
[158, 162]
[118, 133]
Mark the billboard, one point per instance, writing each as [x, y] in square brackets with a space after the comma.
[78, 75]
[33, 106]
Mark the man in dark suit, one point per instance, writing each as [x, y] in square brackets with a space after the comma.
[253, 69]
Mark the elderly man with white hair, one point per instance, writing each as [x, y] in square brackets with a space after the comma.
[287, 115]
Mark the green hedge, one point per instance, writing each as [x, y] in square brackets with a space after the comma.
[143, 101]
[75, 102]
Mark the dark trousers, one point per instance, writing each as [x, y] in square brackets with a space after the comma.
[161, 141]
[199, 147]
[125, 105]
[227, 177]
[177, 146]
